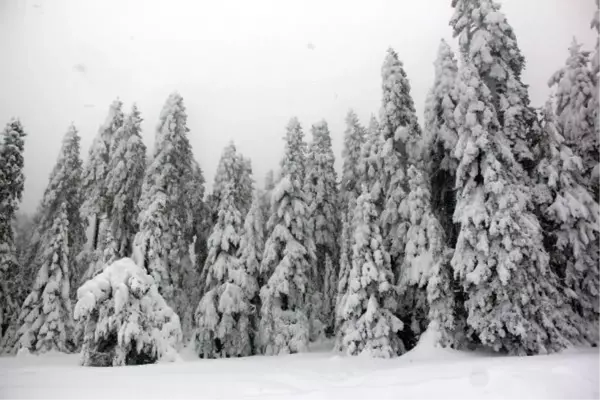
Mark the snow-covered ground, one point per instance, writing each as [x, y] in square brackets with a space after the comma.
[425, 372]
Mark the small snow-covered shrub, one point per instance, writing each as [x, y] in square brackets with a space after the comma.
[124, 319]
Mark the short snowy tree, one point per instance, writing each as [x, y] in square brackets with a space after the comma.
[499, 257]
[402, 136]
[125, 321]
[368, 324]
[166, 219]
[289, 255]
[46, 315]
[488, 41]
[440, 138]
[571, 218]
[12, 183]
[576, 108]
[321, 192]
[124, 178]
[223, 315]
[97, 167]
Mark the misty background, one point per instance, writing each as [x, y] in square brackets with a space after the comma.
[243, 67]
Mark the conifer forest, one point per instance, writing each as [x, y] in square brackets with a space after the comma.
[481, 223]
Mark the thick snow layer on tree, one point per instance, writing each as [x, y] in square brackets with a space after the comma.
[424, 372]
[123, 300]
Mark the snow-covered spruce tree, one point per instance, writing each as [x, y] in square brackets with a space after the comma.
[570, 217]
[489, 42]
[125, 321]
[166, 221]
[289, 255]
[401, 135]
[223, 315]
[354, 137]
[233, 167]
[576, 108]
[45, 321]
[252, 246]
[368, 322]
[124, 178]
[64, 186]
[12, 182]
[321, 193]
[499, 258]
[369, 174]
[595, 64]
[440, 138]
[423, 252]
[94, 183]
[201, 231]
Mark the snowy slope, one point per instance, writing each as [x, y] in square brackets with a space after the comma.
[425, 372]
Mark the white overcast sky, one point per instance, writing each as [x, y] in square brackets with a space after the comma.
[243, 67]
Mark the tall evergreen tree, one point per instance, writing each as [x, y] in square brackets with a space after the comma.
[440, 139]
[233, 167]
[223, 315]
[252, 246]
[368, 322]
[289, 255]
[499, 258]
[162, 244]
[354, 137]
[423, 251]
[402, 135]
[64, 186]
[94, 183]
[12, 181]
[124, 179]
[571, 220]
[46, 316]
[322, 197]
[489, 42]
[576, 108]
[370, 175]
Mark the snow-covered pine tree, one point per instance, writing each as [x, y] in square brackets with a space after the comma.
[46, 315]
[12, 181]
[354, 137]
[571, 220]
[124, 178]
[576, 108]
[368, 322]
[252, 246]
[96, 169]
[489, 42]
[499, 257]
[289, 255]
[401, 135]
[369, 174]
[201, 232]
[423, 252]
[595, 24]
[233, 167]
[321, 193]
[64, 186]
[440, 138]
[223, 314]
[166, 221]
[125, 321]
